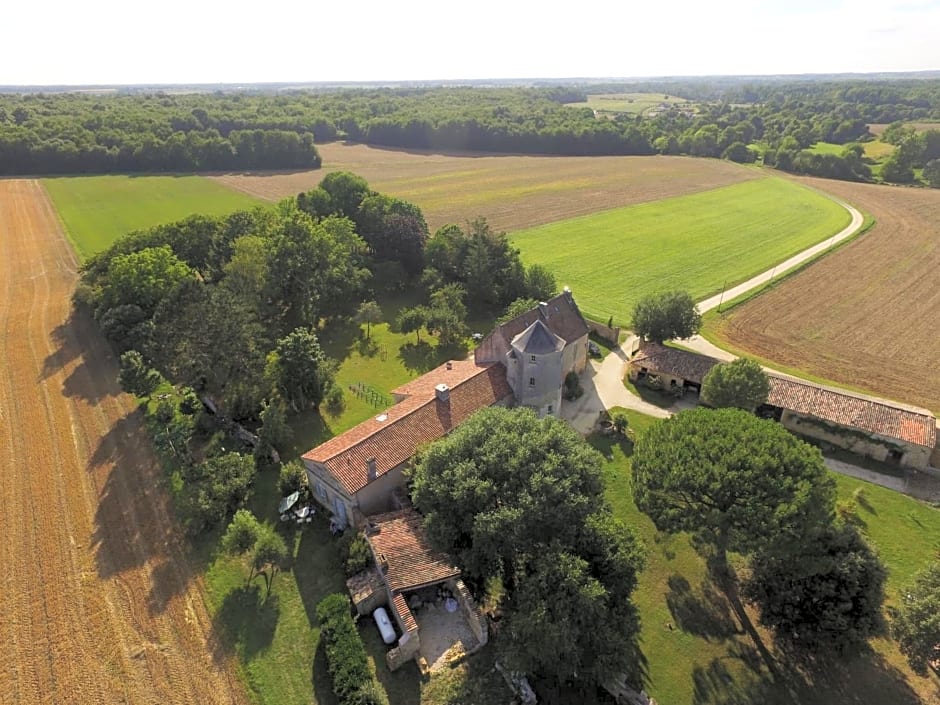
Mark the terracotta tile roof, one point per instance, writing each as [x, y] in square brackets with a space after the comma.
[561, 314]
[406, 618]
[412, 562]
[672, 361]
[418, 419]
[458, 372]
[871, 415]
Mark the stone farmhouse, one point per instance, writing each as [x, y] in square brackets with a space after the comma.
[874, 428]
[522, 362]
[358, 475]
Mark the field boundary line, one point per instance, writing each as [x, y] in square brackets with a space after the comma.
[854, 227]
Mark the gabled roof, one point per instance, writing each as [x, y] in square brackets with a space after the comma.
[687, 365]
[412, 562]
[393, 436]
[874, 416]
[537, 339]
[560, 314]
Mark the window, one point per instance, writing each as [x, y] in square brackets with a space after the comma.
[531, 381]
[551, 409]
[532, 359]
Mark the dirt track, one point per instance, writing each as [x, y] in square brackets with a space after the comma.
[868, 315]
[98, 602]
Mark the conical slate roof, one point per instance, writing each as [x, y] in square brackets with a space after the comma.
[537, 339]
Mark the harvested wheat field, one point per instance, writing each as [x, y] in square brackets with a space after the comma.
[869, 315]
[99, 604]
[512, 192]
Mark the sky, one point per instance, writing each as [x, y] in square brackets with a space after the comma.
[70, 42]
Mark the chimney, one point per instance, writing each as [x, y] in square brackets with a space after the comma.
[442, 392]
[370, 467]
[450, 365]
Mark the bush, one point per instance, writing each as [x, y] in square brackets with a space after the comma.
[573, 388]
[620, 421]
[354, 552]
[293, 478]
[346, 655]
[335, 401]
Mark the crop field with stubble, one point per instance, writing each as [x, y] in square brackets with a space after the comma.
[867, 316]
[699, 242]
[511, 191]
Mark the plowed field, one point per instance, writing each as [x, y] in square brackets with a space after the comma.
[868, 315]
[99, 604]
[511, 191]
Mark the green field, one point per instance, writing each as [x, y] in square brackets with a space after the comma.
[695, 648]
[698, 243]
[96, 210]
[630, 103]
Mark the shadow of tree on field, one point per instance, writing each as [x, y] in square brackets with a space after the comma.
[320, 678]
[706, 614]
[338, 337]
[78, 339]
[418, 357]
[67, 348]
[245, 622]
[135, 521]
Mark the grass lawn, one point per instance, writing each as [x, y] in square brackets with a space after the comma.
[373, 365]
[695, 649]
[826, 148]
[630, 103]
[97, 210]
[698, 242]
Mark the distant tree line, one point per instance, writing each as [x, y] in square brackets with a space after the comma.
[70, 133]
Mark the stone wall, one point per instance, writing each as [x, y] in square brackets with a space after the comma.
[858, 442]
[612, 335]
[470, 611]
[367, 591]
[407, 649]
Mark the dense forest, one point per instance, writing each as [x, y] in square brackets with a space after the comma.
[158, 132]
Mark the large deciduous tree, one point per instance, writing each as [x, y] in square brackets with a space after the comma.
[661, 317]
[822, 593]
[299, 370]
[521, 499]
[917, 619]
[738, 483]
[135, 376]
[314, 269]
[742, 384]
[347, 190]
[143, 278]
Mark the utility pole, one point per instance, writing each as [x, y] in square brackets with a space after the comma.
[721, 298]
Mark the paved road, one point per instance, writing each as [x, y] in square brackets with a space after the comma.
[785, 266]
[604, 388]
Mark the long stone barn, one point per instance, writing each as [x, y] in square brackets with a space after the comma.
[874, 428]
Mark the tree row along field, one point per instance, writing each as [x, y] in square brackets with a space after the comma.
[698, 243]
[866, 316]
[100, 603]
